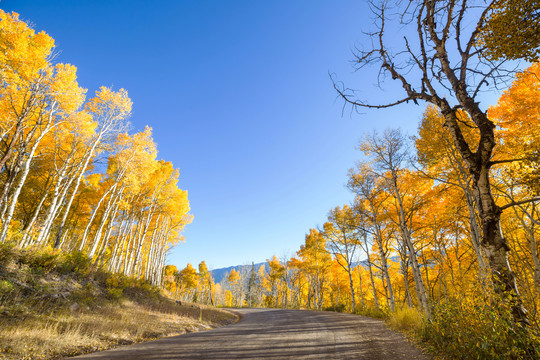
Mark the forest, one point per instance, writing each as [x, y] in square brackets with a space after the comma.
[72, 176]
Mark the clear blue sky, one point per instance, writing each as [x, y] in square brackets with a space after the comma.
[239, 98]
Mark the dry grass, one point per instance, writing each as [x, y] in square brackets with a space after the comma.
[74, 332]
[406, 319]
[55, 304]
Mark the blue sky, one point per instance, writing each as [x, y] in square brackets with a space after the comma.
[239, 99]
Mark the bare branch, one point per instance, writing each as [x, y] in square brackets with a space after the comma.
[516, 203]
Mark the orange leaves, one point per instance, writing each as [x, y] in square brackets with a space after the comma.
[517, 114]
[435, 146]
[518, 110]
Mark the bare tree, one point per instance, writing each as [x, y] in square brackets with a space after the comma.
[442, 64]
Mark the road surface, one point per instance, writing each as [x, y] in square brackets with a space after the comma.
[278, 334]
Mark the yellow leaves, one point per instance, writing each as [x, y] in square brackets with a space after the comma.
[234, 276]
[50, 147]
[23, 53]
[27, 73]
[93, 180]
[153, 183]
[110, 103]
[511, 31]
[276, 269]
[313, 255]
[188, 277]
[82, 124]
[135, 158]
[435, 146]
[64, 88]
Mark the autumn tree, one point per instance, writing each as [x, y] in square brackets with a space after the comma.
[187, 280]
[370, 196]
[517, 115]
[342, 230]
[440, 160]
[234, 281]
[439, 63]
[315, 261]
[276, 271]
[109, 110]
[388, 153]
[205, 282]
[37, 97]
[511, 30]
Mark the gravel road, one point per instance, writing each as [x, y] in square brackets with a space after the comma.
[279, 334]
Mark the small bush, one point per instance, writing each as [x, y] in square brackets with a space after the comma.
[42, 260]
[88, 295]
[7, 252]
[336, 308]
[115, 293]
[6, 287]
[380, 313]
[406, 319]
[119, 281]
[75, 262]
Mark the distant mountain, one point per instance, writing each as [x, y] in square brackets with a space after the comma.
[219, 274]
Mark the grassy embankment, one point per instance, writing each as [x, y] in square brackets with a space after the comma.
[54, 304]
[465, 328]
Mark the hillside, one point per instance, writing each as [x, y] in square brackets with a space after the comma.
[55, 304]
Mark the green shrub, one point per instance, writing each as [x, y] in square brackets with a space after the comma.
[42, 260]
[380, 313]
[75, 262]
[336, 308]
[6, 287]
[87, 295]
[115, 293]
[475, 329]
[7, 252]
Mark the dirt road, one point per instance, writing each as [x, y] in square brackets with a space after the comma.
[279, 334]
